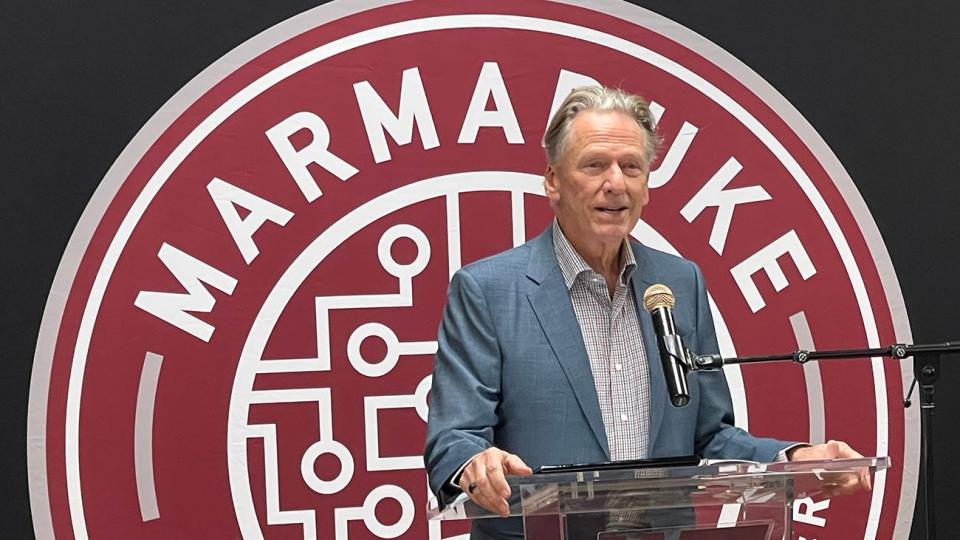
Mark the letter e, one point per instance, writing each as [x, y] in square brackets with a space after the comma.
[766, 260]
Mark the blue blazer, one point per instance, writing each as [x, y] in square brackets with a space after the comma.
[512, 371]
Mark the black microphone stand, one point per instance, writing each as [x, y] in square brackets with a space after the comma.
[926, 371]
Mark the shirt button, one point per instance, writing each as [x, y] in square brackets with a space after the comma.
[618, 366]
[623, 417]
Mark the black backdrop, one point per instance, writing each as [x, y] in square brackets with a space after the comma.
[77, 80]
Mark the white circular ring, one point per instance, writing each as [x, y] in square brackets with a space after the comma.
[373, 369]
[317, 484]
[396, 493]
[390, 264]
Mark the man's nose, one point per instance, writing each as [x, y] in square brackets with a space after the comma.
[614, 180]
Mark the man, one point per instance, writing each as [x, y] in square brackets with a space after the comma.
[544, 355]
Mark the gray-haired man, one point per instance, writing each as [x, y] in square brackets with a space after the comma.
[544, 356]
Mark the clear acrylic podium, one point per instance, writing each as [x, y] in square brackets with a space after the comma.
[713, 501]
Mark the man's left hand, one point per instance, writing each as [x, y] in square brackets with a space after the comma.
[845, 484]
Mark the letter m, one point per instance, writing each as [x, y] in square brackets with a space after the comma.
[174, 307]
[414, 109]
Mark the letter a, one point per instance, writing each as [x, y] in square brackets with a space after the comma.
[490, 83]
[227, 197]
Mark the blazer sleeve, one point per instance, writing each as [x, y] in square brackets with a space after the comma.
[465, 389]
[716, 434]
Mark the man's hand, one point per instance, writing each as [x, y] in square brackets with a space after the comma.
[843, 484]
[484, 479]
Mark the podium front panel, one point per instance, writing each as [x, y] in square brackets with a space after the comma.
[742, 499]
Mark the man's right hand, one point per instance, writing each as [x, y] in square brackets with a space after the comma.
[484, 479]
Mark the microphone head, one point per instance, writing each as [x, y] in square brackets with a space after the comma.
[657, 296]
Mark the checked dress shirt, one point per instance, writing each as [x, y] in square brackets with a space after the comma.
[611, 334]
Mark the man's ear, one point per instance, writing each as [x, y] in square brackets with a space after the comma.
[550, 184]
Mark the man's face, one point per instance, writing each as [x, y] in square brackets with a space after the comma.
[598, 187]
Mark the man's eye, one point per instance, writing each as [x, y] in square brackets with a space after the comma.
[632, 168]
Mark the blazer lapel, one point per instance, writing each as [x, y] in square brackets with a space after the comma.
[550, 301]
[643, 277]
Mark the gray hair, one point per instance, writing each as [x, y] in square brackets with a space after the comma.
[599, 98]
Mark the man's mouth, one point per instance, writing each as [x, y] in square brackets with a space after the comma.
[612, 209]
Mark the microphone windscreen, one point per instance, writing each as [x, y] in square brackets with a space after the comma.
[657, 296]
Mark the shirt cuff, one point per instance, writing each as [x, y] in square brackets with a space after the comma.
[454, 482]
[782, 455]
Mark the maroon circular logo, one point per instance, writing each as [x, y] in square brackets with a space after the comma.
[239, 340]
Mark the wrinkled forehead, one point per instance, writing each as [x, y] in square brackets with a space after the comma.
[604, 131]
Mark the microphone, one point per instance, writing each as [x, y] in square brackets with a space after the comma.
[658, 300]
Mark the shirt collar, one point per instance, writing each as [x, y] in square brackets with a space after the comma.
[572, 264]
